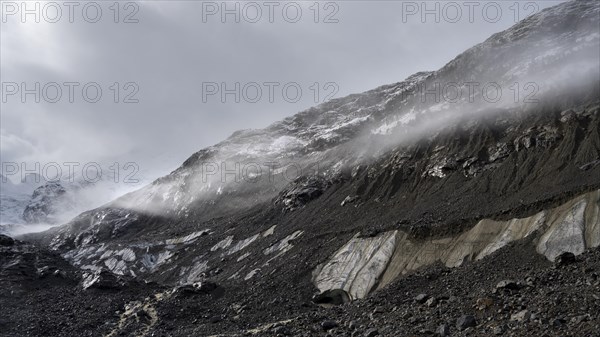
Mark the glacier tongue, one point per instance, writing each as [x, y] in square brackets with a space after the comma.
[357, 266]
[366, 264]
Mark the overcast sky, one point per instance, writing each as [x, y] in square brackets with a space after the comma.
[176, 46]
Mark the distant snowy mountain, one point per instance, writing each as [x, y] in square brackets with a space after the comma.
[35, 204]
[15, 197]
[46, 202]
[12, 206]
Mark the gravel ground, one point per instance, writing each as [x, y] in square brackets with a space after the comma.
[513, 292]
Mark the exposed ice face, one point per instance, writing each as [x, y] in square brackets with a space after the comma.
[223, 244]
[242, 244]
[135, 258]
[365, 263]
[269, 231]
[89, 279]
[567, 235]
[242, 257]
[251, 274]
[188, 238]
[192, 274]
[357, 267]
[182, 259]
[284, 245]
